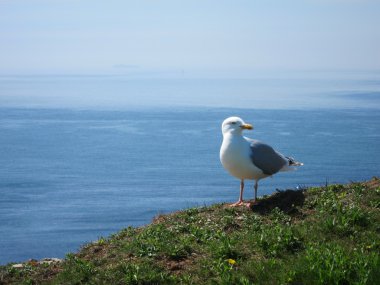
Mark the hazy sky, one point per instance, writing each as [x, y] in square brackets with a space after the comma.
[88, 36]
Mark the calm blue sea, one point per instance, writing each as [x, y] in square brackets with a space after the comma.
[82, 158]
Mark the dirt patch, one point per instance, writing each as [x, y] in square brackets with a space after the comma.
[373, 183]
[287, 201]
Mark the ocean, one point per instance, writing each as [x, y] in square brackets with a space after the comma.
[83, 157]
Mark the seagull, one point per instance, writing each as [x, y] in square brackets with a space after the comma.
[247, 158]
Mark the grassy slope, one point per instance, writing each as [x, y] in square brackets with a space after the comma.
[324, 235]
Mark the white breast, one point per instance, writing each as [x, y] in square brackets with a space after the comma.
[235, 156]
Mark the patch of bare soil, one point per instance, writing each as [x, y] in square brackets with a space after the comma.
[287, 201]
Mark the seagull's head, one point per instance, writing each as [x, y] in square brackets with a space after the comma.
[235, 125]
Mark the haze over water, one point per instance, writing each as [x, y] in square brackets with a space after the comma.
[256, 90]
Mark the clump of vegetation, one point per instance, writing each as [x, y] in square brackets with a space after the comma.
[321, 235]
[336, 264]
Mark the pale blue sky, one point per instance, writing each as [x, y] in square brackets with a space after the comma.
[90, 36]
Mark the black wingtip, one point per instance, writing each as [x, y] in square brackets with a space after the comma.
[293, 162]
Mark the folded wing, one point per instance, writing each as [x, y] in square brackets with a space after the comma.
[266, 158]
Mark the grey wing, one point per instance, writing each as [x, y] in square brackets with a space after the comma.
[266, 158]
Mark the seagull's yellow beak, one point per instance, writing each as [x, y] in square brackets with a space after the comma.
[246, 127]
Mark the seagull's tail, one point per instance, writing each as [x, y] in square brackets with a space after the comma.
[291, 164]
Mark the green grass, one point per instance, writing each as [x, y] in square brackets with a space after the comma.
[322, 235]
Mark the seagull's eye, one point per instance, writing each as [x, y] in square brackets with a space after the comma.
[233, 123]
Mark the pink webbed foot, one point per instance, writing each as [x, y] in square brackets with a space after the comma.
[241, 203]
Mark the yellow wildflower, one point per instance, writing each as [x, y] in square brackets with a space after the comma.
[231, 261]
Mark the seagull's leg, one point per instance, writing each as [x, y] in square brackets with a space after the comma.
[241, 191]
[240, 201]
[256, 186]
